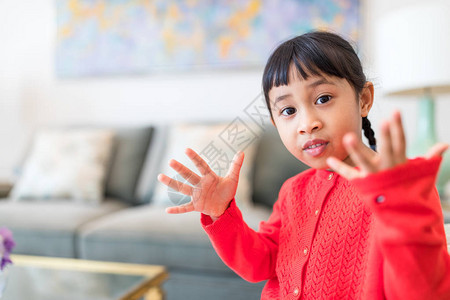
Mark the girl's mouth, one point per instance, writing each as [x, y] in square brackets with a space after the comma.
[315, 147]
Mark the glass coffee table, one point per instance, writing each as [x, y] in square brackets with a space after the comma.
[39, 278]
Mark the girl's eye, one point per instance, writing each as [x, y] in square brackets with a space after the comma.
[323, 99]
[289, 111]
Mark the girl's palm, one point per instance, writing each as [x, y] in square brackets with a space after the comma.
[210, 193]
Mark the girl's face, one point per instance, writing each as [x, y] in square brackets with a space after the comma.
[312, 116]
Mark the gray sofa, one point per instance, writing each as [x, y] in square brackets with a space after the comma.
[126, 227]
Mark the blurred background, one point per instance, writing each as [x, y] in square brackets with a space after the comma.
[37, 89]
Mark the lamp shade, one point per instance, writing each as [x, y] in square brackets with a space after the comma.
[413, 49]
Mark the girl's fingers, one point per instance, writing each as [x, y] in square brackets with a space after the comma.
[437, 150]
[356, 151]
[185, 172]
[386, 152]
[398, 139]
[201, 165]
[235, 168]
[175, 184]
[181, 209]
[342, 168]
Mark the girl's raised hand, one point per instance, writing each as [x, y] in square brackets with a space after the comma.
[392, 151]
[210, 193]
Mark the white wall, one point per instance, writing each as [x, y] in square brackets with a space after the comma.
[31, 96]
[383, 106]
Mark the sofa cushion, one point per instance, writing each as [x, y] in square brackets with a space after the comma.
[129, 153]
[272, 166]
[66, 163]
[148, 235]
[50, 227]
[128, 157]
[147, 180]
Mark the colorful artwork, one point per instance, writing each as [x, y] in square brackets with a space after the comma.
[99, 37]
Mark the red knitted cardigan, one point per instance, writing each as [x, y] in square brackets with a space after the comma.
[380, 237]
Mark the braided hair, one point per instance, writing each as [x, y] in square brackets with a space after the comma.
[369, 133]
[313, 53]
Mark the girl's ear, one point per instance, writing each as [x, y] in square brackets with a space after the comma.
[366, 99]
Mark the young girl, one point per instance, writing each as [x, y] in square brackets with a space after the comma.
[358, 224]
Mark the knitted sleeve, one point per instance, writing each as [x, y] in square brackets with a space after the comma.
[251, 254]
[409, 231]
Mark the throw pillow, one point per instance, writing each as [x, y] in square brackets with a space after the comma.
[216, 144]
[66, 164]
[127, 158]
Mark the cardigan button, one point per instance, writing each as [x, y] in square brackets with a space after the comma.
[380, 199]
[330, 176]
[296, 291]
[316, 212]
[305, 251]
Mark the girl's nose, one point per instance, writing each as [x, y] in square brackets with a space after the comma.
[309, 125]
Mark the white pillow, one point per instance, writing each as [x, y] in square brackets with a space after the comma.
[66, 164]
[213, 137]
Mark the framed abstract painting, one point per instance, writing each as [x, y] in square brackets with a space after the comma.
[117, 37]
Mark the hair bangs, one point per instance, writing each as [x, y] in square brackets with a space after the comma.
[280, 65]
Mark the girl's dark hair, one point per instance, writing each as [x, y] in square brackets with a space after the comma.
[316, 53]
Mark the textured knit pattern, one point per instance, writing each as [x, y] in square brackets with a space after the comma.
[330, 262]
[340, 247]
[380, 237]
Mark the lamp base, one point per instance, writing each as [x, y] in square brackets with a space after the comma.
[426, 138]
[426, 132]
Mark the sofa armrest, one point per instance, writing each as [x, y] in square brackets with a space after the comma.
[5, 188]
